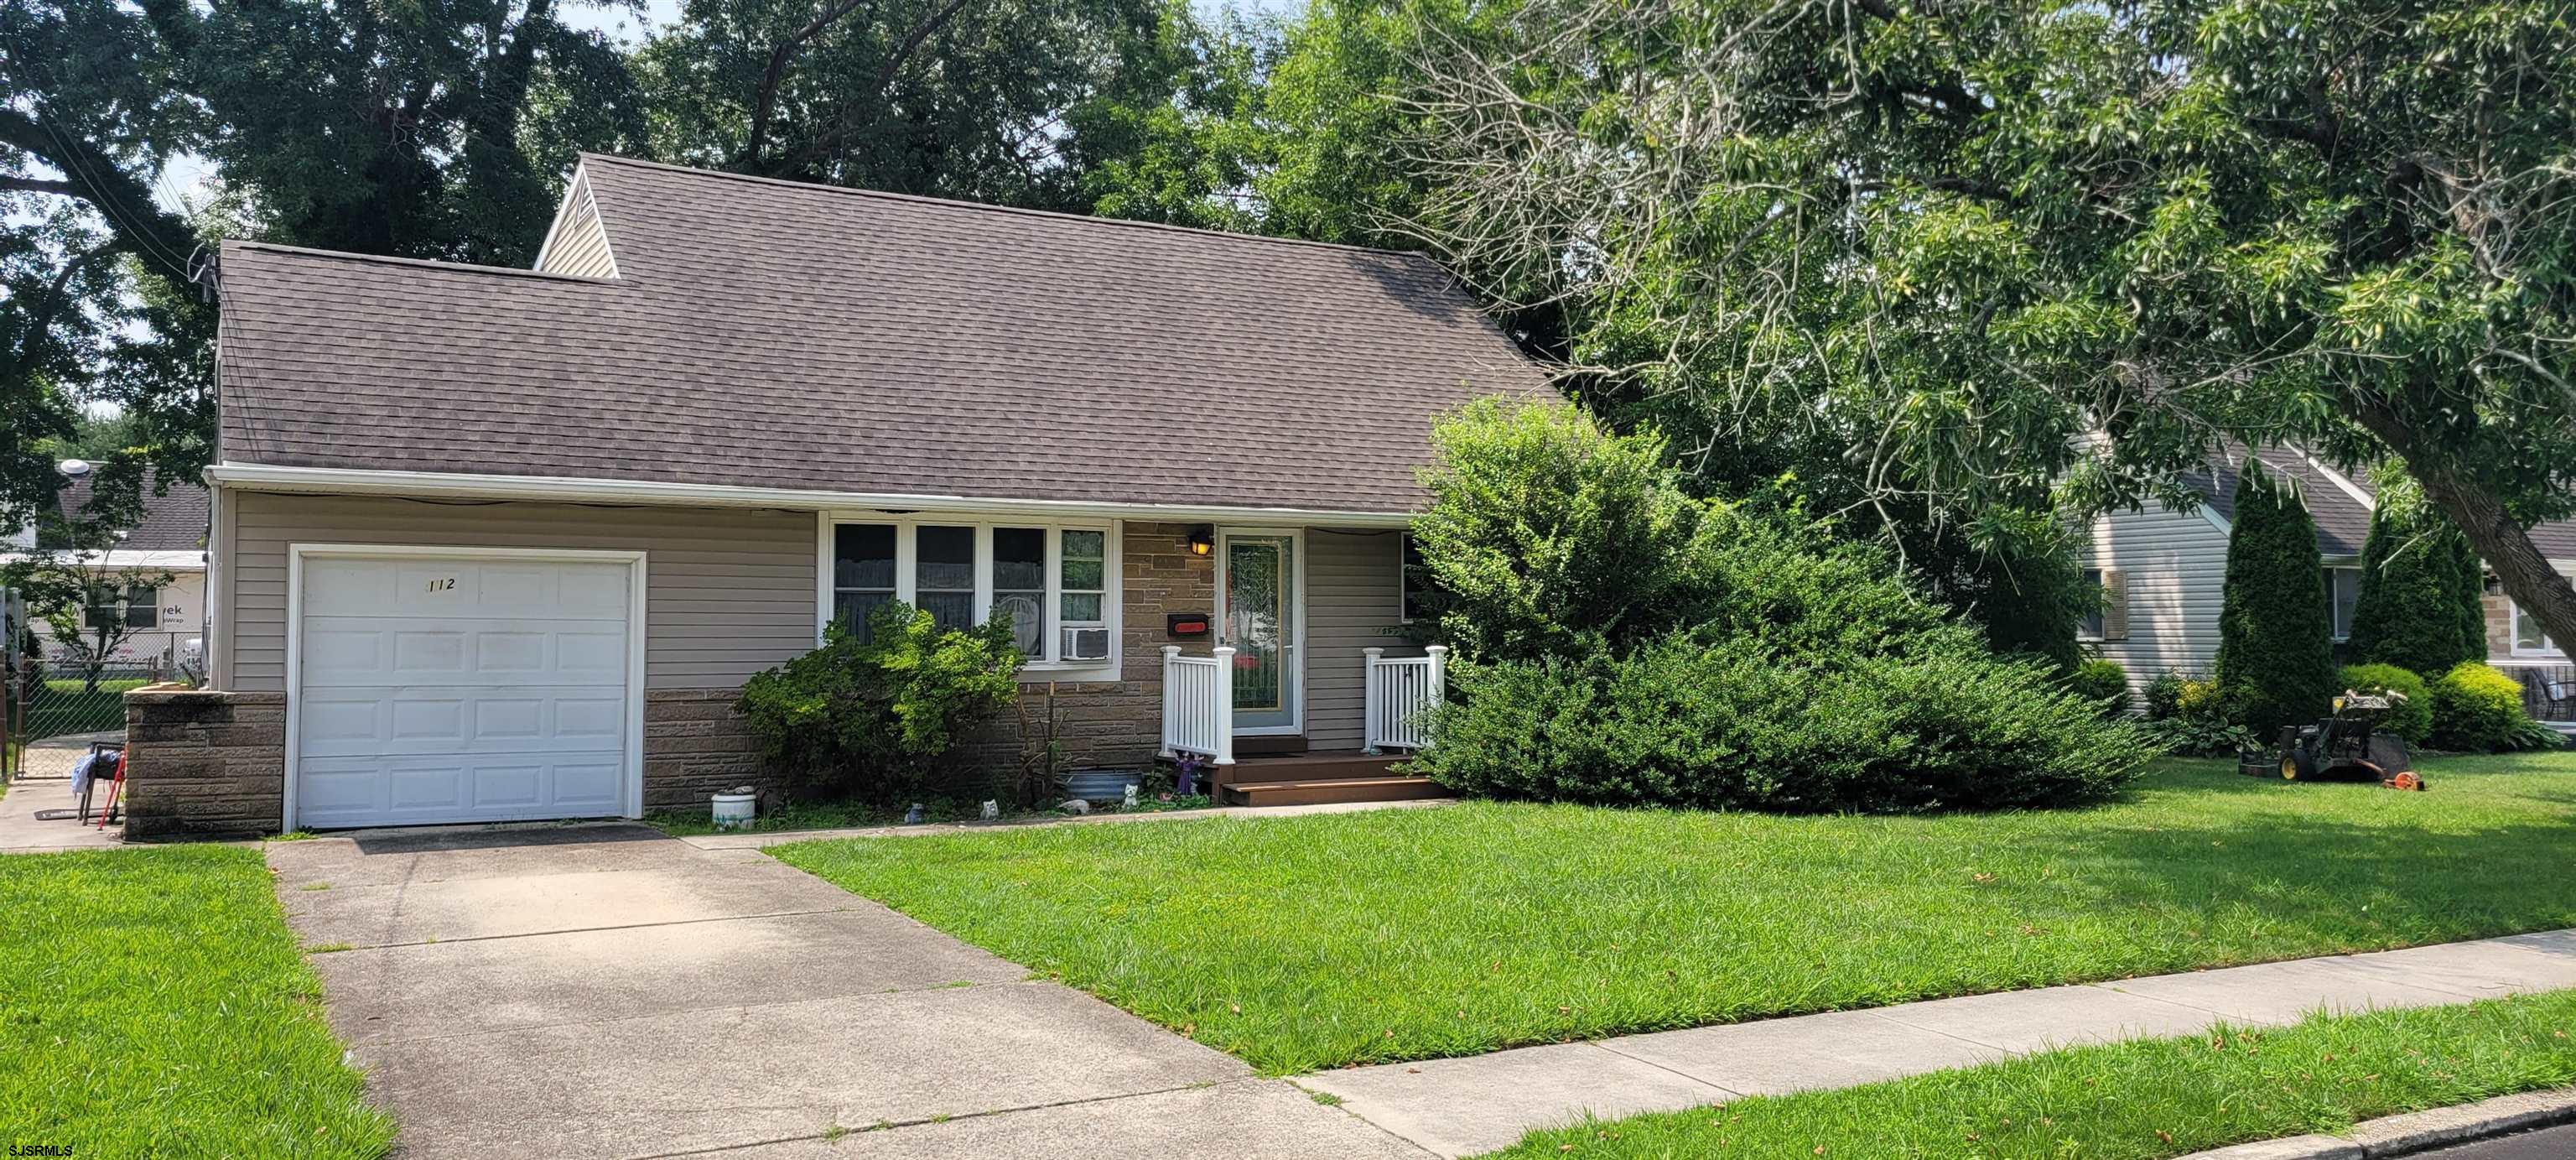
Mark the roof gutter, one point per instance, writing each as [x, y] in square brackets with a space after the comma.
[555, 489]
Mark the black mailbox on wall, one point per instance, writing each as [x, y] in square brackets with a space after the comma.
[1186, 623]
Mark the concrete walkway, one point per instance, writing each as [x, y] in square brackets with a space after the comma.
[604, 991]
[1459, 1107]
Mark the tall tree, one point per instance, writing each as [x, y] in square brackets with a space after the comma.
[1962, 236]
[436, 130]
[92, 105]
[2419, 604]
[2276, 624]
[987, 100]
[429, 130]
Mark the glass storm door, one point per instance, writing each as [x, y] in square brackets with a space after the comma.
[1261, 623]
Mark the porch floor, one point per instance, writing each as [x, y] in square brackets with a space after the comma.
[1320, 777]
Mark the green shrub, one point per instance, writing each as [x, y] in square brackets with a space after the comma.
[2164, 695]
[2410, 718]
[1547, 536]
[2276, 627]
[1621, 643]
[1737, 726]
[2102, 682]
[2419, 606]
[872, 718]
[2477, 709]
[2198, 718]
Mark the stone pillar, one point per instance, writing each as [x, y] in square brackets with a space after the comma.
[203, 763]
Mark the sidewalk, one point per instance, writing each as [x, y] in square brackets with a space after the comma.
[1460, 1107]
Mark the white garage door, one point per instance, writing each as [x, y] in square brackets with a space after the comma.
[462, 689]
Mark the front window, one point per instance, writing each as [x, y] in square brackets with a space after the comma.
[2344, 584]
[1051, 583]
[2529, 639]
[943, 575]
[863, 572]
[131, 606]
[2096, 620]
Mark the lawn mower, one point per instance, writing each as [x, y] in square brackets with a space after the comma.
[2348, 746]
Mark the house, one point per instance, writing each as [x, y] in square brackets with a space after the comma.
[2164, 575]
[151, 593]
[498, 544]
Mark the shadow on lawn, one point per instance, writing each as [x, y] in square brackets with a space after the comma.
[2328, 874]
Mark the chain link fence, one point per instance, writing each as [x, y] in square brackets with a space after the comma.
[50, 693]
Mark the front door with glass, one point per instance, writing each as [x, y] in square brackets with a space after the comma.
[1260, 618]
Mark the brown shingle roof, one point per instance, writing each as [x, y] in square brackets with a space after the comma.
[173, 521]
[775, 334]
[2343, 523]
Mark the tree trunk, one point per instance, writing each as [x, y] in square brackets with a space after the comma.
[2501, 540]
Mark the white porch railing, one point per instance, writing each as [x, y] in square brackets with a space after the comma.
[1400, 691]
[1198, 704]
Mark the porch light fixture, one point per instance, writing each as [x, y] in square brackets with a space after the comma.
[1202, 539]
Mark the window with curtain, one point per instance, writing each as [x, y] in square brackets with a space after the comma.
[862, 573]
[1019, 585]
[1053, 584]
[943, 575]
[2096, 620]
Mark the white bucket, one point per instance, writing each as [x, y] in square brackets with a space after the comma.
[733, 810]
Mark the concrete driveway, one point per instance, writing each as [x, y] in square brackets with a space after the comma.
[606, 991]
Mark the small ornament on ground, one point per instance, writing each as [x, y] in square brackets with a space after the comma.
[992, 810]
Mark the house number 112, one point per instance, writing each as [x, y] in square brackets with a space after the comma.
[443, 584]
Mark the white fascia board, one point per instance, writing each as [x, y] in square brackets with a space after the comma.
[2340, 480]
[167, 561]
[552, 489]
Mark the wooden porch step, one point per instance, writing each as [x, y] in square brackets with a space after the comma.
[1324, 766]
[1333, 791]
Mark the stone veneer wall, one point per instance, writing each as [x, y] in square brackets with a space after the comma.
[203, 763]
[1107, 724]
[695, 746]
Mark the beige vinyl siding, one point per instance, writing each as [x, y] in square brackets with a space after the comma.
[580, 243]
[2175, 565]
[727, 592]
[1352, 603]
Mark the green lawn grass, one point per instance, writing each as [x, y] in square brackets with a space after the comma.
[2135, 1100]
[1311, 942]
[152, 1002]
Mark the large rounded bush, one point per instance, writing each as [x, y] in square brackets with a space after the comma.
[2479, 710]
[1620, 642]
[2410, 713]
[1736, 726]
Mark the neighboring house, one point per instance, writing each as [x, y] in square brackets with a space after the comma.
[506, 543]
[2164, 577]
[164, 622]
